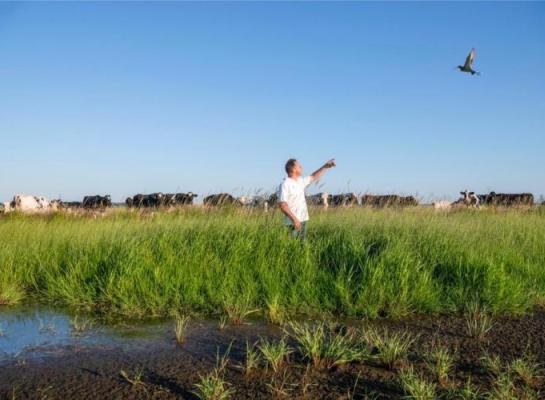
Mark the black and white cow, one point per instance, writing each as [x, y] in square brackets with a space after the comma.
[257, 202]
[469, 199]
[507, 199]
[30, 204]
[145, 200]
[96, 202]
[319, 200]
[388, 200]
[221, 199]
[343, 200]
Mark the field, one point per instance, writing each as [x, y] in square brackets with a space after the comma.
[355, 263]
[375, 304]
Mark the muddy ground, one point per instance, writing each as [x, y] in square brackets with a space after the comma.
[170, 370]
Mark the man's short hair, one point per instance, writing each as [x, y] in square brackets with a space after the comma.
[290, 164]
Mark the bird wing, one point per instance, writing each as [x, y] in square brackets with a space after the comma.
[469, 59]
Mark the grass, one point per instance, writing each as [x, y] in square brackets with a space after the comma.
[391, 347]
[492, 364]
[440, 362]
[180, 327]
[213, 386]
[222, 323]
[276, 353]
[527, 369]
[478, 321]
[10, 293]
[503, 388]
[238, 311]
[252, 358]
[356, 262]
[325, 347]
[79, 326]
[135, 380]
[275, 312]
[415, 386]
[467, 392]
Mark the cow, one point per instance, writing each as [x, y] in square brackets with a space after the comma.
[70, 204]
[319, 200]
[96, 202]
[221, 199]
[469, 199]
[408, 201]
[388, 200]
[168, 199]
[146, 200]
[507, 199]
[442, 205]
[6, 207]
[30, 204]
[254, 202]
[273, 200]
[182, 199]
[343, 200]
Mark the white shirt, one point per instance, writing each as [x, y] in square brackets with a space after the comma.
[292, 192]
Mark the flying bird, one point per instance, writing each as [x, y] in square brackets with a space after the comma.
[467, 67]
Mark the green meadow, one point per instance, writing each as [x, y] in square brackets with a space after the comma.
[355, 262]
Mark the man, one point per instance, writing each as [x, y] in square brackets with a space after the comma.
[291, 195]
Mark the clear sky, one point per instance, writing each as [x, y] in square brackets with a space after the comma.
[125, 98]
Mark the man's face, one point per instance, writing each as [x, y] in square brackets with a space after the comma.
[297, 169]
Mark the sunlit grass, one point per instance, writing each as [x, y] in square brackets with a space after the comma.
[356, 262]
[392, 347]
[325, 347]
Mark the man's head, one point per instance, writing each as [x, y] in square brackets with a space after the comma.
[293, 168]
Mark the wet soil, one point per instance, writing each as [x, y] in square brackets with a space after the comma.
[170, 370]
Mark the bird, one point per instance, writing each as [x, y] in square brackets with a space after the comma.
[467, 67]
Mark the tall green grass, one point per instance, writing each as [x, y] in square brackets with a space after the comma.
[356, 262]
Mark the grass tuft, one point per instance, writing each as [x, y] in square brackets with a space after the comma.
[415, 386]
[213, 386]
[503, 388]
[238, 312]
[325, 347]
[492, 364]
[275, 353]
[136, 379]
[275, 312]
[478, 321]
[440, 363]
[10, 293]
[392, 348]
[527, 369]
[180, 327]
[252, 358]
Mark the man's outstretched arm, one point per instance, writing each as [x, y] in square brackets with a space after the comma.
[320, 171]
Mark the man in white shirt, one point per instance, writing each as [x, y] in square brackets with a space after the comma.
[291, 195]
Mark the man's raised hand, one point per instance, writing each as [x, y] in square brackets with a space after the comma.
[330, 164]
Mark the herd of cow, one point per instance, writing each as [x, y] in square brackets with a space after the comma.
[30, 204]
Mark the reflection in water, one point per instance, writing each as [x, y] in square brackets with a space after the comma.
[37, 331]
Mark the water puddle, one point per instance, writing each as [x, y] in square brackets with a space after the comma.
[37, 332]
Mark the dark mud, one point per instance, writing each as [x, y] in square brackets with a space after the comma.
[91, 370]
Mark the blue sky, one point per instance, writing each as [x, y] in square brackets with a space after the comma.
[127, 98]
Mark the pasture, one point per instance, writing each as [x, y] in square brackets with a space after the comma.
[357, 262]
